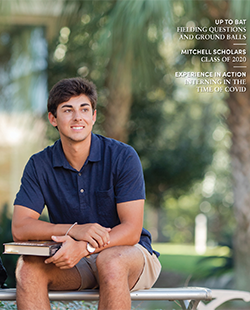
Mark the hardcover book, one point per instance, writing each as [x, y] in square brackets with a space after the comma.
[37, 248]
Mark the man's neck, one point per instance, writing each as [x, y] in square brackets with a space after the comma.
[76, 152]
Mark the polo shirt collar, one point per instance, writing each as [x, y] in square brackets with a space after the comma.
[59, 159]
[95, 149]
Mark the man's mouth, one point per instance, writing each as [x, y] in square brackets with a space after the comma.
[77, 127]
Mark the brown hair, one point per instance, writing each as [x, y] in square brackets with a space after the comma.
[65, 89]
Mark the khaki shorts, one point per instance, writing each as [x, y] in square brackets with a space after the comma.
[89, 274]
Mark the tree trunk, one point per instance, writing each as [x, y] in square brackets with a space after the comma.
[239, 125]
[119, 101]
[238, 122]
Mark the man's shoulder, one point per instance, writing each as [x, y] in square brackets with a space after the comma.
[46, 153]
[112, 144]
[117, 153]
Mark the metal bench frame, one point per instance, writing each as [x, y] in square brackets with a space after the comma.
[222, 296]
[189, 298]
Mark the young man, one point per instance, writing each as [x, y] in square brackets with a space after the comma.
[93, 188]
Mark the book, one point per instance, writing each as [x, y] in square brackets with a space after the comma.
[37, 248]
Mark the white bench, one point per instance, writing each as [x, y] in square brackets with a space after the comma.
[222, 296]
[188, 297]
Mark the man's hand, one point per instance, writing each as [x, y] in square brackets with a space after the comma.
[95, 234]
[69, 254]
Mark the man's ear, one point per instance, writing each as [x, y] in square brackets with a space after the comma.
[52, 119]
[94, 117]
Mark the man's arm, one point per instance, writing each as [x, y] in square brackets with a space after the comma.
[131, 218]
[128, 232]
[27, 226]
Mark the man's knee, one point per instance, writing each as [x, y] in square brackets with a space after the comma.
[109, 268]
[28, 267]
[122, 264]
[110, 258]
[113, 264]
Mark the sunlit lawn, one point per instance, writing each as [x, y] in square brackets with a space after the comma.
[183, 258]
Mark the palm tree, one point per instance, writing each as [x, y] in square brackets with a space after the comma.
[131, 58]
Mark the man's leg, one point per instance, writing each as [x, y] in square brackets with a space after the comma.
[119, 269]
[34, 278]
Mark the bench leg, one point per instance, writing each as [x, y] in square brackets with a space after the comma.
[189, 305]
[222, 296]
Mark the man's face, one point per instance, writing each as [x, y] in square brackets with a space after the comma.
[75, 119]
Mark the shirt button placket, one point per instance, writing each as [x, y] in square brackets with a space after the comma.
[80, 188]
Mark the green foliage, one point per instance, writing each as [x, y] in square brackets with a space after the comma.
[173, 146]
[213, 266]
[182, 258]
[218, 264]
[100, 38]
[9, 261]
[56, 305]
[181, 212]
[240, 8]
[136, 29]
[73, 305]
[8, 305]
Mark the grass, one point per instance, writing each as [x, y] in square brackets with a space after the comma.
[74, 305]
[57, 305]
[183, 258]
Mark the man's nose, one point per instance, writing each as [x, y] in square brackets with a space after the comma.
[77, 115]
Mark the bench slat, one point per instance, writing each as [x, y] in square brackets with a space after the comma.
[189, 297]
[151, 294]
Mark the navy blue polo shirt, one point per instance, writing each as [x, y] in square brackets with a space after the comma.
[111, 174]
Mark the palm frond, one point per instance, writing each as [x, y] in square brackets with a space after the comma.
[240, 9]
[132, 28]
